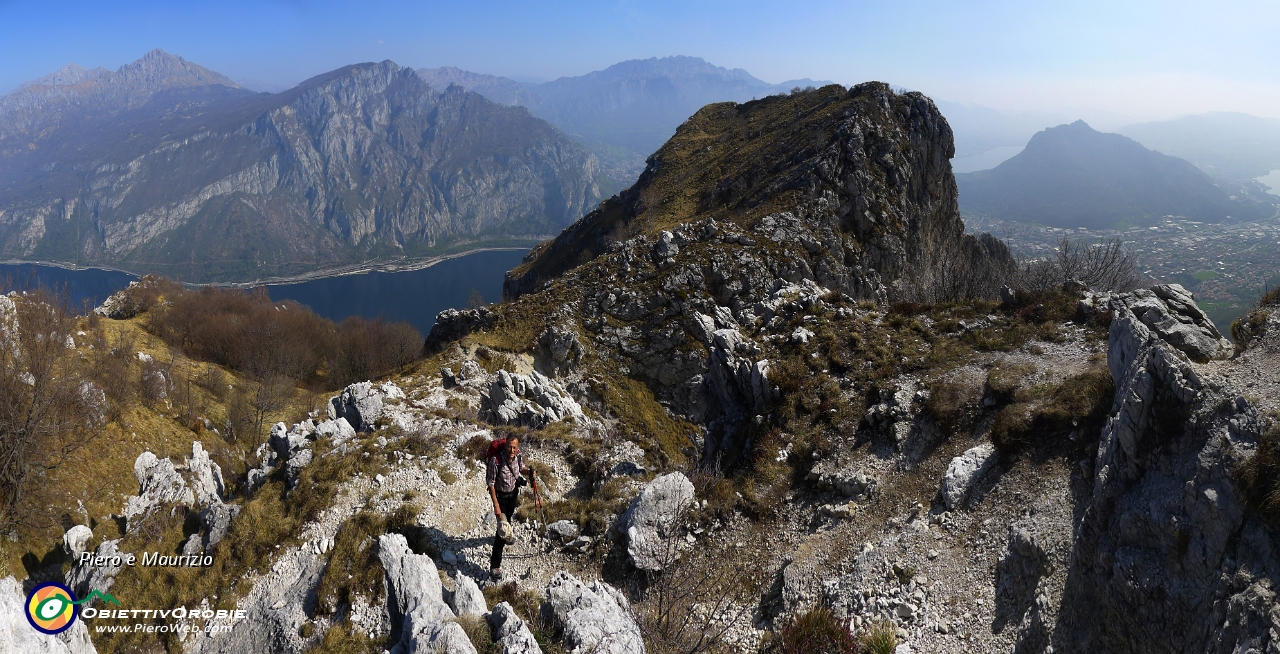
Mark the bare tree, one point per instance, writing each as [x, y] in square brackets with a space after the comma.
[47, 409]
[271, 397]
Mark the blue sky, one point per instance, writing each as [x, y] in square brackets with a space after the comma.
[1123, 60]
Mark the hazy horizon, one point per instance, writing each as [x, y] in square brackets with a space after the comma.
[1105, 64]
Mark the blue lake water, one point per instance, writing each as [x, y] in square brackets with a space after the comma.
[93, 285]
[414, 296]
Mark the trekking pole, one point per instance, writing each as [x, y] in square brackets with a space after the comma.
[542, 510]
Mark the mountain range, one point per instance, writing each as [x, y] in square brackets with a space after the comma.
[1074, 176]
[165, 166]
[1228, 146]
[626, 111]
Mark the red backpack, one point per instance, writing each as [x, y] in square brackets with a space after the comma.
[495, 446]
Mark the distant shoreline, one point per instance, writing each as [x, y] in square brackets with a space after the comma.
[407, 265]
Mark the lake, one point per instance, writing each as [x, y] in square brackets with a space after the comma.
[92, 285]
[1272, 181]
[984, 160]
[414, 296]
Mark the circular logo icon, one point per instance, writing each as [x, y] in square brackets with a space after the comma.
[51, 608]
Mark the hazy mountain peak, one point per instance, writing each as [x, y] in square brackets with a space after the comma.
[497, 89]
[159, 69]
[680, 67]
[314, 166]
[66, 76]
[35, 112]
[1073, 176]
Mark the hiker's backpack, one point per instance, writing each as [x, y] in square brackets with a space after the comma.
[495, 446]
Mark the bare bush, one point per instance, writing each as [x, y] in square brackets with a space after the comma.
[699, 597]
[111, 370]
[155, 382]
[240, 421]
[270, 398]
[214, 381]
[1105, 266]
[47, 408]
[248, 332]
[363, 349]
[968, 268]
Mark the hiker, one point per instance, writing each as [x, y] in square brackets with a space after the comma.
[505, 465]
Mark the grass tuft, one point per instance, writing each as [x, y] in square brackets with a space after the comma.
[1043, 412]
[816, 631]
[1259, 478]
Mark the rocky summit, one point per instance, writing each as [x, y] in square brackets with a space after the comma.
[167, 167]
[771, 391]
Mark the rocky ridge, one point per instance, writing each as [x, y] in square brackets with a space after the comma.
[685, 277]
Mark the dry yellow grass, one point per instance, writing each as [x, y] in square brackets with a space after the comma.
[100, 477]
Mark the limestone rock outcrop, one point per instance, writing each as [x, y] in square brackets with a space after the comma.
[159, 484]
[467, 599]
[363, 403]
[421, 621]
[17, 636]
[562, 348]
[595, 617]
[650, 523]
[453, 324]
[511, 632]
[964, 472]
[531, 400]
[76, 540]
[85, 578]
[1167, 558]
[1171, 313]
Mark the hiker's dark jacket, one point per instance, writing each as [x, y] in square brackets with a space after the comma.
[503, 472]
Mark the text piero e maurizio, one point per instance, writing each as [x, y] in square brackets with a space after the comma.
[149, 559]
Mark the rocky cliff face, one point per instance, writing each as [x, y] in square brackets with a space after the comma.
[210, 182]
[1167, 558]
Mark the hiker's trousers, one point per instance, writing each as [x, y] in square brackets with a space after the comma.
[507, 502]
